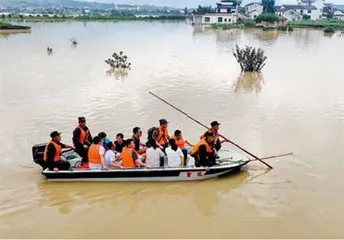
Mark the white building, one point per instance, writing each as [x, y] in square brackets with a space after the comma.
[296, 12]
[253, 9]
[337, 14]
[225, 13]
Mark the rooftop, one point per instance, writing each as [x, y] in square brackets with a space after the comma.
[299, 7]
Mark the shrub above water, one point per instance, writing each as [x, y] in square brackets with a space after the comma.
[250, 59]
[329, 30]
[267, 17]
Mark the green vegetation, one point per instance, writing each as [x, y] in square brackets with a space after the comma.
[7, 26]
[204, 9]
[335, 23]
[219, 26]
[250, 59]
[329, 30]
[95, 18]
[248, 22]
[285, 28]
[267, 17]
[306, 17]
[268, 28]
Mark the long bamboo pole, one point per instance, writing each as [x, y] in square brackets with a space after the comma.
[208, 128]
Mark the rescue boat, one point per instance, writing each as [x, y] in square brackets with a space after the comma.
[227, 162]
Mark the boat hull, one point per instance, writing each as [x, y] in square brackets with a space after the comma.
[142, 175]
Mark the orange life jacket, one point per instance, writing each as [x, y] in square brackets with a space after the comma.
[216, 134]
[58, 149]
[93, 154]
[162, 136]
[127, 157]
[180, 143]
[194, 151]
[83, 134]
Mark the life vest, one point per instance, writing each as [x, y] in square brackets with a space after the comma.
[93, 154]
[58, 149]
[216, 134]
[127, 158]
[162, 136]
[83, 134]
[194, 151]
[180, 143]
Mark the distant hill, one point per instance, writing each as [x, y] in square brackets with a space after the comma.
[340, 7]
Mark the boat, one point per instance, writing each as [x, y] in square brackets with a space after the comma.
[227, 162]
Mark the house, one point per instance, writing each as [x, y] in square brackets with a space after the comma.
[338, 14]
[225, 13]
[253, 9]
[296, 12]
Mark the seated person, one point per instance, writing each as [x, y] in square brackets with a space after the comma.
[96, 154]
[181, 142]
[119, 143]
[110, 157]
[52, 153]
[175, 156]
[139, 146]
[130, 158]
[204, 152]
[154, 155]
[103, 135]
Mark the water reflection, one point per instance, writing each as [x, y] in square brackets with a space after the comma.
[249, 82]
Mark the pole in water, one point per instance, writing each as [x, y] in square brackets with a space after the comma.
[208, 128]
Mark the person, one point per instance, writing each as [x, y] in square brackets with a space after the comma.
[110, 157]
[175, 156]
[119, 142]
[181, 142]
[204, 152]
[137, 141]
[103, 135]
[215, 126]
[52, 153]
[82, 139]
[96, 154]
[163, 136]
[130, 158]
[154, 155]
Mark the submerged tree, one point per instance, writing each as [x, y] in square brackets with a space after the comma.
[119, 64]
[250, 59]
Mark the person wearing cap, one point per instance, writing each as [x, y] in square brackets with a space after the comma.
[82, 139]
[204, 152]
[52, 153]
[215, 126]
[163, 137]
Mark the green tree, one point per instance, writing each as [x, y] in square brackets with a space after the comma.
[268, 6]
[205, 9]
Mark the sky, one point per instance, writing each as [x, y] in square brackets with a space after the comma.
[195, 3]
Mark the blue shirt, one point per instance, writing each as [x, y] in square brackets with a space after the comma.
[106, 141]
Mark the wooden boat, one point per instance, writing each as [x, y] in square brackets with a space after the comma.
[229, 161]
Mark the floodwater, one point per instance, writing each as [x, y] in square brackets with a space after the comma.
[296, 105]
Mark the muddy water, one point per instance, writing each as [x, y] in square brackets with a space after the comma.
[296, 105]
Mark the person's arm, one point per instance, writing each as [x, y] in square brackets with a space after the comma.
[142, 144]
[88, 139]
[76, 137]
[50, 157]
[187, 142]
[181, 156]
[102, 153]
[65, 146]
[137, 162]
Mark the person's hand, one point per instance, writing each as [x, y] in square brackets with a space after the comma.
[104, 168]
[148, 166]
[56, 169]
[206, 168]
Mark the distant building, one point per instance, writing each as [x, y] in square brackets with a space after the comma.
[338, 14]
[225, 13]
[296, 12]
[253, 9]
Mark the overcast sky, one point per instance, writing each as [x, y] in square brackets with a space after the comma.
[194, 3]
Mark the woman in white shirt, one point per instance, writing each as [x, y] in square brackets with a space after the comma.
[154, 154]
[110, 157]
[175, 156]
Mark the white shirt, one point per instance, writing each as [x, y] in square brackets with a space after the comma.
[109, 157]
[153, 156]
[173, 157]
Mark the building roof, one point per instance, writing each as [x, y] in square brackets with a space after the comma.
[252, 3]
[226, 7]
[296, 7]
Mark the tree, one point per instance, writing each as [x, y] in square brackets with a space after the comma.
[268, 6]
[186, 11]
[250, 59]
[206, 9]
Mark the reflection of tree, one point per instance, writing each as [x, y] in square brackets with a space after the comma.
[265, 36]
[249, 81]
[4, 35]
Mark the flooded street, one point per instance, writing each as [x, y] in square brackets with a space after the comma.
[297, 105]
